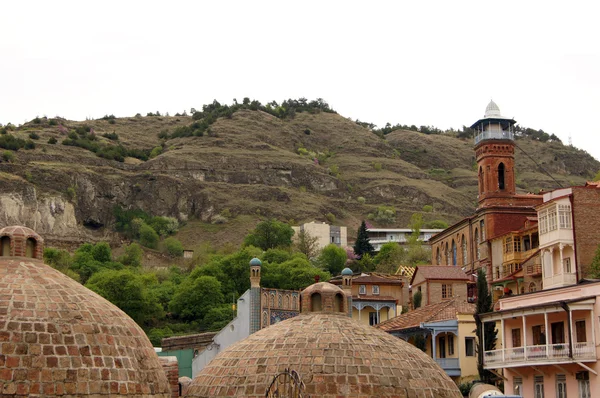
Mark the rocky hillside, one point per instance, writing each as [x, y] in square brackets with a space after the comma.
[249, 166]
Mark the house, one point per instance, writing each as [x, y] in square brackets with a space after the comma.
[439, 283]
[445, 331]
[380, 236]
[500, 209]
[326, 234]
[375, 297]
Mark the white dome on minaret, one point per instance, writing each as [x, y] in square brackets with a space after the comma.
[492, 110]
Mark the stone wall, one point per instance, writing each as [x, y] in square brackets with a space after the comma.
[169, 365]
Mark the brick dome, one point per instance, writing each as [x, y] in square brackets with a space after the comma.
[21, 241]
[59, 338]
[333, 355]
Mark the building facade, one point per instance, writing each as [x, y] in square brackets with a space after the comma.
[326, 234]
[380, 236]
[439, 283]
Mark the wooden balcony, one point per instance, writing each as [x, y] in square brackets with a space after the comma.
[539, 355]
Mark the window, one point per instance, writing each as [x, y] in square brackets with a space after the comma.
[517, 244]
[446, 291]
[558, 332]
[501, 176]
[482, 230]
[451, 344]
[442, 347]
[518, 385]
[315, 302]
[333, 239]
[543, 221]
[5, 246]
[552, 219]
[516, 337]
[539, 337]
[583, 381]
[30, 247]
[532, 287]
[447, 255]
[376, 289]
[439, 257]
[567, 265]
[561, 386]
[580, 331]
[480, 180]
[564, 216]
[508, 245]
[538, 387]
[470, 346]
[454, 253]
[373, 318]
[464, 251]
[362, 289]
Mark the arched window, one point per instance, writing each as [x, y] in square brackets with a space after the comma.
[532, 287]
[30, 246]
[481, 187]
[454, 253]
[447, 254]
[315, 302]
[477, 243]
[339, 302]
[438, 256]
[5, 246]
[464, 250]
[501, 176]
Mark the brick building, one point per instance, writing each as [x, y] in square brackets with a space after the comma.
[439, 283]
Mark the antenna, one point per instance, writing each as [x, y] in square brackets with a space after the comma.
[570, 140]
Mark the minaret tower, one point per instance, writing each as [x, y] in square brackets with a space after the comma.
[255, 265]
[347, 287]
[495, 150]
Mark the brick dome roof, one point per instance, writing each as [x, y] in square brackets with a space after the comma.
[16, 242]
[334, 356]
[59, 338]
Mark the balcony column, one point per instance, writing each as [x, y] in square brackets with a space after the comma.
[503, 338]
[560, 248]
[593, 319]
[433, 345]
[547, 336]
[524, 338]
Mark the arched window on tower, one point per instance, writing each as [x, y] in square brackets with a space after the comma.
[454, 253]
[30, 246]
[439, 257]
[5, 246]
[481, 180]
[477, 243]
[501, 177]
[447, 254]
[464, 250]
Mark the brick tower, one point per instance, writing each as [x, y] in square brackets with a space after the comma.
[495, 152]
[255, 265]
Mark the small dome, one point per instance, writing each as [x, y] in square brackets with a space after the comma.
[19, 241]
[255, 262]
[492, 110]
[347, 271]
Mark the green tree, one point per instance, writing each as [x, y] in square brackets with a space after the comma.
[173, 247]
[128, 291]
[196, 296]
[294, 274]
[365, 264]
[436, 224]
[597, 176]
[390, 256]
[148, 236]
[595, 265]
[132, 256]
[270, 234]
[333, 259]
[417, 298]
[101, 252]
[307, 244]
[487, 332]
[384, 215]
[362, 245]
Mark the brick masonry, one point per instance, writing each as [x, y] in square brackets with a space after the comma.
[586, 221]
[171, 369]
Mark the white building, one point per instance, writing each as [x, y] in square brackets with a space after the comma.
[326, 234]
[381, 236]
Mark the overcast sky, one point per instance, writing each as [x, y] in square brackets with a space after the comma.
[419, 62]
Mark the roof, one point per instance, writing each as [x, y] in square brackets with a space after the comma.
[370, 277]
[333, 355]
[593, 184]
[441, 311]
[406, 270]
[440, 272]
[364, 297]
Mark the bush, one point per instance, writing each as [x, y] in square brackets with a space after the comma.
[384, 215]
[427, 209]
[52, 141]
[436, 224]
[111, 136]
[34, 136]
[8, 156]
[9, 141]
[155, 152]
[330, 217]
[173, 247]
[71, 193]
[377, 166]
[148, 236]
[361, 200]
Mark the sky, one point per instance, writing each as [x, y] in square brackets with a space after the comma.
[412, 62]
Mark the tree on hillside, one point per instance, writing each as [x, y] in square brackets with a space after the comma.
[196, 296]
[595, 265]
[307, 244]
[362, 245]
[333, 259]
[597, 176]
[487, 332]
[270, 234]
[416, 254]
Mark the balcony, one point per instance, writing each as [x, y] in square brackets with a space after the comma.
[450, 365]
[558, 280]
[538, 354]
[533, 269]
[494, 135]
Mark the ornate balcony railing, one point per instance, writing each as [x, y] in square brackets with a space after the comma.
[552, 353]
[494, 135]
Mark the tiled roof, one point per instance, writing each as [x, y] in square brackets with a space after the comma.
[370, 277]
[441, 311]
[440, 272]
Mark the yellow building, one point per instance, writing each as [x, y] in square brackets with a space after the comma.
[445, 331]
[375, 297]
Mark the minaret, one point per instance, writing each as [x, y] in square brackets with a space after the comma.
[255, 265]
[495, 150]
[347, 287]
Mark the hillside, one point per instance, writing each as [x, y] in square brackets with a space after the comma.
[250, 166]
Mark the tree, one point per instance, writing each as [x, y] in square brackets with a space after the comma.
[196, 296]
[101, 252]
[597, 176]
[416, 253]
[148, 236]
[173, 247]
[307, 244]
[333, 259]
[485, 332]
[388, 259]
[595, 265]
[417, 298]
[132, 256]
[362, 245]
[270, 234]
[294, 274]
